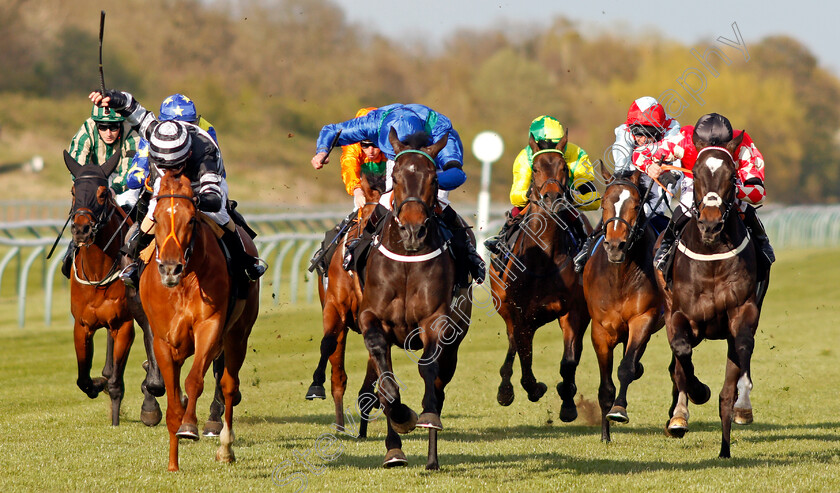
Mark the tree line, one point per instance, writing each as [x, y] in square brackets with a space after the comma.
[269, 74]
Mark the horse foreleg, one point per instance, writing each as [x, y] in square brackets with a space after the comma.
[329, 342]
[505, 394]
[83, 341]
[402, 417]
[213, 426]
[394, 457]
[524, 336]
[205, 351]
[108, 369]
[338, 378]
[573, 329]
[170, 370]
[366, 401]
[122, 338]
[630, 368]
[604, 343]
[677, 424]
[235, 348]
[725, 404]
[153, 381]
[681, 347]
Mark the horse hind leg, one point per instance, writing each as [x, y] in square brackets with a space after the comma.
[316, 390]
[123, 337]
[83, 342]
[505, 394]
[154, 379]
[367, 400]
[525, 348]
[213, 426]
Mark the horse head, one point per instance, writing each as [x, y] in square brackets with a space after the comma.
[549, 181]
[174, 226]
[715, 176]
[415, 186]
[621, 210]
[92, 202]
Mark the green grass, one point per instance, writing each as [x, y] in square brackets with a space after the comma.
[56, 439]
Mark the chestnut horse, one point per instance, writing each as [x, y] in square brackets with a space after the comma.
[624, 301]
[713, 295]
[341, 296]
[408, 299]
[536, 283]
[98, 298]
[191, 291]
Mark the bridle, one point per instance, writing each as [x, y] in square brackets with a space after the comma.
[540, 197]
[635, 229]
[98, 220]
[426, 207]
[712, 199]
[185, 253]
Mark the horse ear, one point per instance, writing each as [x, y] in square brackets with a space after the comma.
[394, 139]
[111, 164]
[435, 148]
[733, 144]
[72, 165]
[562, 144]
[606, 174]
[636, 178]
[533, 143]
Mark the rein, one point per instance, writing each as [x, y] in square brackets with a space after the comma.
[185, 254]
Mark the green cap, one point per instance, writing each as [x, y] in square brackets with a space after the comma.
[100, 114]
[547, 128]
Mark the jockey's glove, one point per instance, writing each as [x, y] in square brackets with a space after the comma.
[208, 202]
[119, 100]
[669, 178]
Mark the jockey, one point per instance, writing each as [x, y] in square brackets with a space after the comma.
[408, 119]
[186, 147]
[582, 191]
[711, 130]
[646, 123]
[99, 137]
[175, 107]
[357, 160]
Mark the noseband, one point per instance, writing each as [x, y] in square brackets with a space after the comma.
[185, 254]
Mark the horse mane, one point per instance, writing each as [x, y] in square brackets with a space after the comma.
[417, 140]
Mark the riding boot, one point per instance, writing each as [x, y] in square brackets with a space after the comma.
[251, 266]
[583, 255]
[137, 241]
[676, 224]
[758, 233]
[463, 249]
[67, 261]
[492, 243]
[321, 260]
[577, 228]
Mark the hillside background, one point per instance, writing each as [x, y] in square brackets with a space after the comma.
[269, 74]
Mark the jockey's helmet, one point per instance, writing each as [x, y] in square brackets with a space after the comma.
[547, 128]
[100, 114]
[178, 107]
[169, 144]
[712, 129]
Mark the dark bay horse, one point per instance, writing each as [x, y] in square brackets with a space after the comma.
[341, 296]
[98, 298]
[408, 298]
[713, 295]
[535, 283]
[191, 292]
[624, 301]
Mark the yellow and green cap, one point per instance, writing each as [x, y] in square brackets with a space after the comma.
[547, 128]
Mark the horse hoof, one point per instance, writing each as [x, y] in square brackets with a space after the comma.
[212, 428]
[430, 420]
[677, 427]
[618, 414]
[408, 426]
[538, 393]
[151, 418]
[742, 416]
[568, 413]
[98, 384]
[640, 370]
[316, 392]
[703, 397]
[225, 456]
[505, 395]
[395, 458]
[189, 431]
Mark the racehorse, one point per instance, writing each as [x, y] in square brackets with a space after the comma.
[97, 297]
[341, 296]
[624, 301]
[191, 292]
[713, 295]
[535, 282]
[408, 299]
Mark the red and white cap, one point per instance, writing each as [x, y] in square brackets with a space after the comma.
[648, 112]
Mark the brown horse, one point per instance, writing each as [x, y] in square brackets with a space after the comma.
[713, 295]
[341, 296]
[536, 283]
[191, 291]
[624, 301]
[408, 299]
[97, 297]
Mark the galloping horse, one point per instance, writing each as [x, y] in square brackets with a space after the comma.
[98, 298]
[191, 292]
[536, 283]
[713, 295]
[341, 296]
[621, 292]
[408, 298]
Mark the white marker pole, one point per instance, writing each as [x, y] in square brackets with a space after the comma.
[488, 148]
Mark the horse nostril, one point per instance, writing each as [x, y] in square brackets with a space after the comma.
[178, 269]
[421, 232]
[622, 245]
